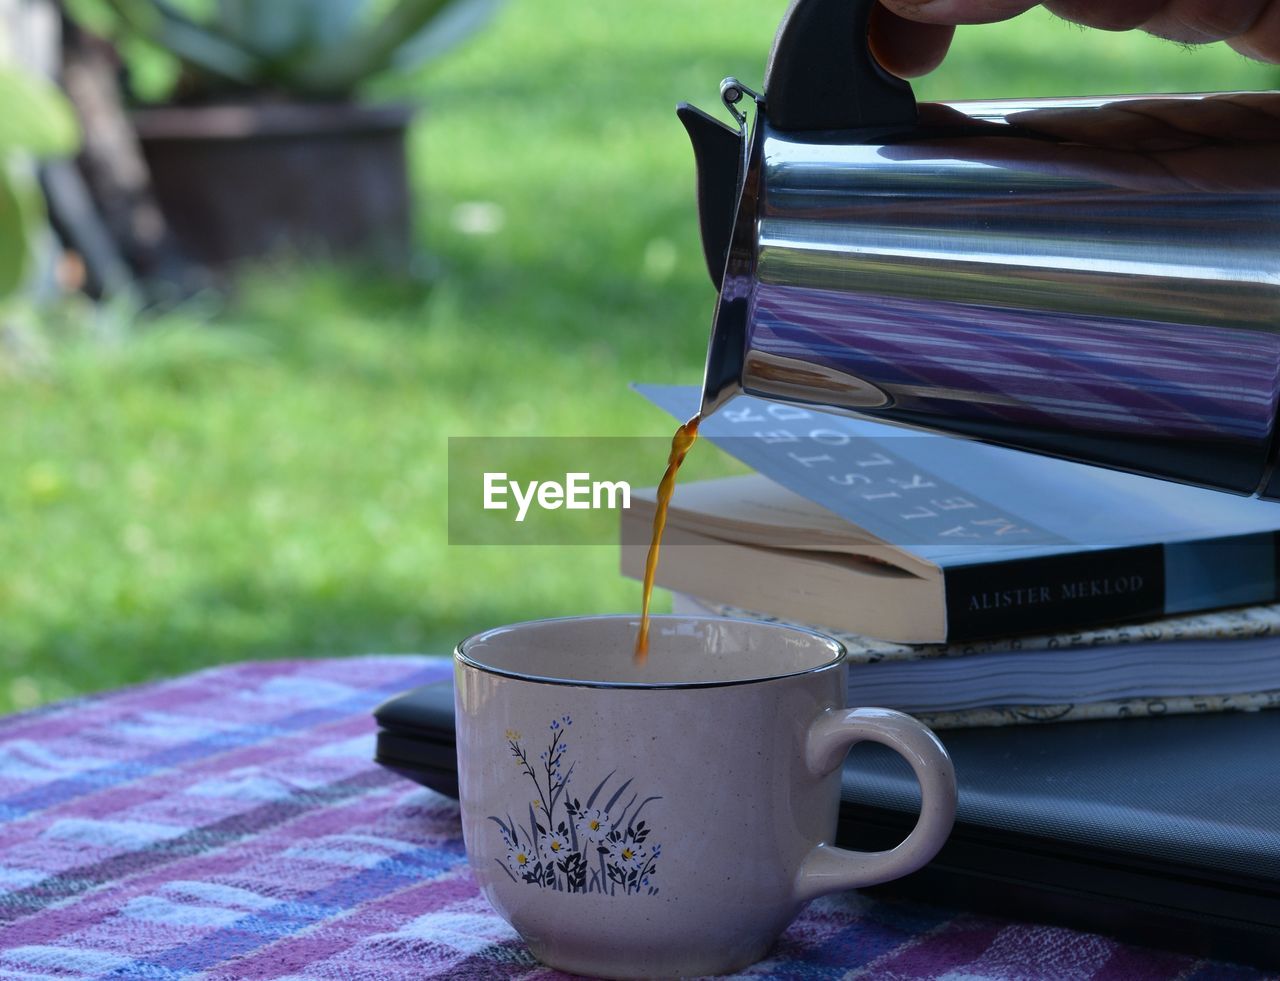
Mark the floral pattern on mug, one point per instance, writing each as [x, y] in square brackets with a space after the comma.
[591, 848]
[592, 826]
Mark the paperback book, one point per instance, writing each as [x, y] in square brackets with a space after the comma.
[917, 538]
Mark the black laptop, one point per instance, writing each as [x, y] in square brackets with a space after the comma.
[1162, 831]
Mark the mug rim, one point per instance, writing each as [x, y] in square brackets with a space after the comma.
[461, 656]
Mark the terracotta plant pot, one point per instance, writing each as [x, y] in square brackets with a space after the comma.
[239, 182]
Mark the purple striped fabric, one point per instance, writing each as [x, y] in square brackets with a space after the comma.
[230, 825]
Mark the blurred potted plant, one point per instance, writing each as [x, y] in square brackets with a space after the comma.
[35, 122]
[264, 144]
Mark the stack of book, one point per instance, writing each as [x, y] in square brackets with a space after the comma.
[975, 585]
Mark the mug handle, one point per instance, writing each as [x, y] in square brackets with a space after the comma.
[828, 869]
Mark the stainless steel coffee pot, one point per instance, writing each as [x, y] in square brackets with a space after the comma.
[1091, 279]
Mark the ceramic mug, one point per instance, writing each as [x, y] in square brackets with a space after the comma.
[668, 818]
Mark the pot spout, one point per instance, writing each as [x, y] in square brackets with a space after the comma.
[717, 149]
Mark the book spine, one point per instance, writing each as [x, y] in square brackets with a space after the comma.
[1084, 589]
[1069, 592]
[1054, 593]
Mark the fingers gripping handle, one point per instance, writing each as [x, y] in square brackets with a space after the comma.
[822, 75]
[829, 869]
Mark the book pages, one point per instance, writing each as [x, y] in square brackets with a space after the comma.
[1129, 708]
[1254, 621]
[1251, 621]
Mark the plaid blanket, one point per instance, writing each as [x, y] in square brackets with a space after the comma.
[230, 825]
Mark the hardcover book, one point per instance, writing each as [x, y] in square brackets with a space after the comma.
[917, 538]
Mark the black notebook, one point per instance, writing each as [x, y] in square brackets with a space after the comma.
[1162, 831]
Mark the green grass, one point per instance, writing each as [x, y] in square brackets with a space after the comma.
[268, 479]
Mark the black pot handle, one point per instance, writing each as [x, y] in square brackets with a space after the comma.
[823, 76]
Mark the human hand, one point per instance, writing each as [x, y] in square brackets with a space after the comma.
[911, 37]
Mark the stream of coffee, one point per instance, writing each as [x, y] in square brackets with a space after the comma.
[680, 443]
